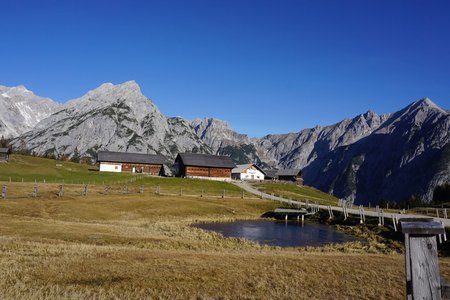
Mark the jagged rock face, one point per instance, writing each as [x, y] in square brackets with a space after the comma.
[217, 133]
[21, 110]
[369, 158]
[298, 150]
[224, 141]
[408, 154]
[111, 117]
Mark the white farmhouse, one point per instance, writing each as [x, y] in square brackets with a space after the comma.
[247, 172]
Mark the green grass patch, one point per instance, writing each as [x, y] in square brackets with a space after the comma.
[30, 169]
[296, 192]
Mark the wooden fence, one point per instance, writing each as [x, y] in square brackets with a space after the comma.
[12, 191]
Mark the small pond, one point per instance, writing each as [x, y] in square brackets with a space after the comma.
[284, 234]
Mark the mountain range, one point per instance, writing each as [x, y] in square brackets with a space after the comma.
[368, 158]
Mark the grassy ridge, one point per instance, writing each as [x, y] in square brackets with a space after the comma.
[296, 192]
[31, 168]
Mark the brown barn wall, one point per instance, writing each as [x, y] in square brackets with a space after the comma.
[208, 172]
[197, 171]
[150, 169]
[220, 172]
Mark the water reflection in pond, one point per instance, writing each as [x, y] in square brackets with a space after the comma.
[282, 234]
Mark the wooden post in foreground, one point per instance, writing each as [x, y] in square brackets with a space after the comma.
[4, 192]
[422, 268]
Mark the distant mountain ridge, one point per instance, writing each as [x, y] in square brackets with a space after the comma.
[369, 157]
[21, 110]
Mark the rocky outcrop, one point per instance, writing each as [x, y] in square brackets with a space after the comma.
[21, 110]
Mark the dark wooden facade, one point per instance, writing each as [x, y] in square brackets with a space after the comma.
[292, 175]
[142, 168]
[207, 172]
[203, 165]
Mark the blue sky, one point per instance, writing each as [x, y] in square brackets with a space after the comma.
[264, 66]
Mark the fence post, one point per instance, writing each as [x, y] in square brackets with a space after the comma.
[141, 190]
[61, 190]
[107, 188]
[242, 197]
[85, 190]
[4, 192]
[223, 194]
[421, 259]
[35, 190]
[125, 189]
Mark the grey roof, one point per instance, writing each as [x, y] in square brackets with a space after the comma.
[288, 172]
[4, 150]
[270, 173]
[242, 168]
[206, 160]
[127, 157]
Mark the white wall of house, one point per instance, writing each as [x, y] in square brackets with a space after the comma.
[110, 167]
[251, 174]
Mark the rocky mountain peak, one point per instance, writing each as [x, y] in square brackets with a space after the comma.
[21, 110]
[425, 104]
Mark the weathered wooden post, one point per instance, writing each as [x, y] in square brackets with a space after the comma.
[242, 196]
[393, 222]
[35, 190]
[201, 195]
[125, 189]
[421, 259]
[181, 191]
[141, 189]
[4, 192]
[223, 194]
[85, 190]
[61, 190]
[107, 188]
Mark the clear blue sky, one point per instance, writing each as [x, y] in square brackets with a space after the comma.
[286, 65]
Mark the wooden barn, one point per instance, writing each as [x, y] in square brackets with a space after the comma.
[270, 174]
[131, 162]
[247, 172]
[4, 154]
[293, 175]
[195, 165]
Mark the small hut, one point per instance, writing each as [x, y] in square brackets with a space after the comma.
[4, 154]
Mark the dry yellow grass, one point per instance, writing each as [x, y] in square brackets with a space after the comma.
[142, 247]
